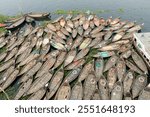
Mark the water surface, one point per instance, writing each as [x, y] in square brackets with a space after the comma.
[126, 9]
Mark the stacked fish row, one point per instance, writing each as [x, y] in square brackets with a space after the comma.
[82, 57]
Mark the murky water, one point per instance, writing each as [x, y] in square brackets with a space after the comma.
[127, 9]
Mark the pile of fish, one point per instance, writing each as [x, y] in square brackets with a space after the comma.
[74, 58]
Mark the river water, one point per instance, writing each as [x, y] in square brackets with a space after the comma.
[126, 9]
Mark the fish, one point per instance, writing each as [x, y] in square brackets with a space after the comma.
[133, 67]
[23, 89]
[121, 69]
[16, 24]
[70, 57]
[60, 59]
[38, 95]
[7, 64]
[111, 78]
[40, 82]
[139, 62]
[128, 81]
[77, 92]
[64, 92]
[75, 64]
[85, 43]
[89, 87]
[145, 93]
[110, 63]
[10, 79]
[55, 83]
[38, 15]
[73, 74]
[138, 85]
[81, 54]
[117, 91]
[31, 72]
[85, 71]
[99, 66]
[104, 54]
[103, 88]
